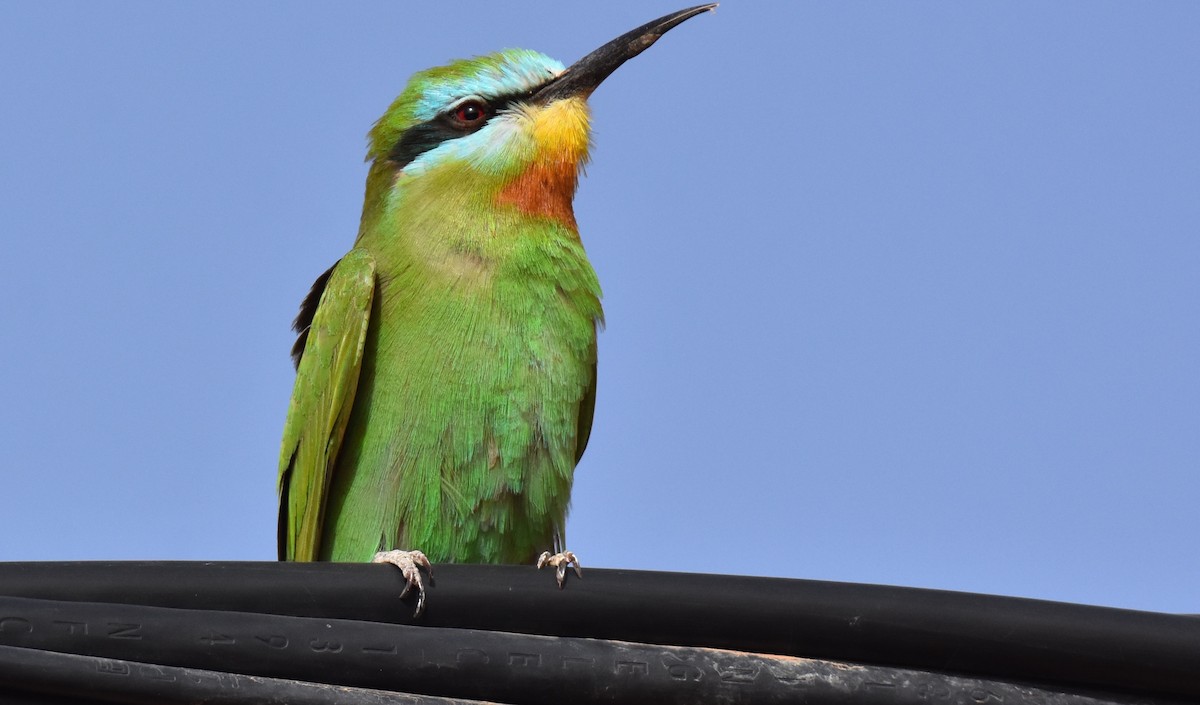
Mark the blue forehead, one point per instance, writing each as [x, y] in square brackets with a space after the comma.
[505, 73]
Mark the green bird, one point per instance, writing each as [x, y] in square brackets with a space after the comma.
[446, 365]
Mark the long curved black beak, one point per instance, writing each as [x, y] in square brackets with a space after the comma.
[582, 77]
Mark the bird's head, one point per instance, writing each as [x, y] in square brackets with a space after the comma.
[510, 127]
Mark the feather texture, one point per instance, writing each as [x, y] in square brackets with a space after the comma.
[471, 401]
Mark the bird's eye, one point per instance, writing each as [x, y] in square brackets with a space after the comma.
[472, 113]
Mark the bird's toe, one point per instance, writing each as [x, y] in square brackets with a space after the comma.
[410, 564]
[560, 561]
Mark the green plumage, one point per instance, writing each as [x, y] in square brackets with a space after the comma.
[446, 371]
[457, 427]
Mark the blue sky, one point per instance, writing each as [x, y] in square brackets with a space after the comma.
[900, 293]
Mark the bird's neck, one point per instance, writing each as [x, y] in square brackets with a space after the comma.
[469, 225]
[544, 190]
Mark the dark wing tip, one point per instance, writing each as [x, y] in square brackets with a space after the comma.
[284, 481]
[308, 309]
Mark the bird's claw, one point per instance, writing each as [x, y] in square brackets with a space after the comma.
[410, 564]
[560, 561]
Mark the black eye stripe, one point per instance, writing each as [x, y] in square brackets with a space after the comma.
[424, 136]
[421, 138]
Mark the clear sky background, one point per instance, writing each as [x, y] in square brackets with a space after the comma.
[901, 293]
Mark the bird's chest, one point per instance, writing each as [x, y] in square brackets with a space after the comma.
[503, 356]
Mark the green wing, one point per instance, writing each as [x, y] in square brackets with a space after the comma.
[328, 363]
[587, 409]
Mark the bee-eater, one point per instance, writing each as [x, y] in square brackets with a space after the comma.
[446, 365]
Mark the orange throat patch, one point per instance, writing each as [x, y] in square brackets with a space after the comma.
[547, 186]
[544, 190]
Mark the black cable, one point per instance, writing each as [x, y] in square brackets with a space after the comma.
[466, 663]
[44, 677]
[25, 697]
[1069, 646]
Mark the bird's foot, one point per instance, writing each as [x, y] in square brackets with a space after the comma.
[560, 561]
[410, 564]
